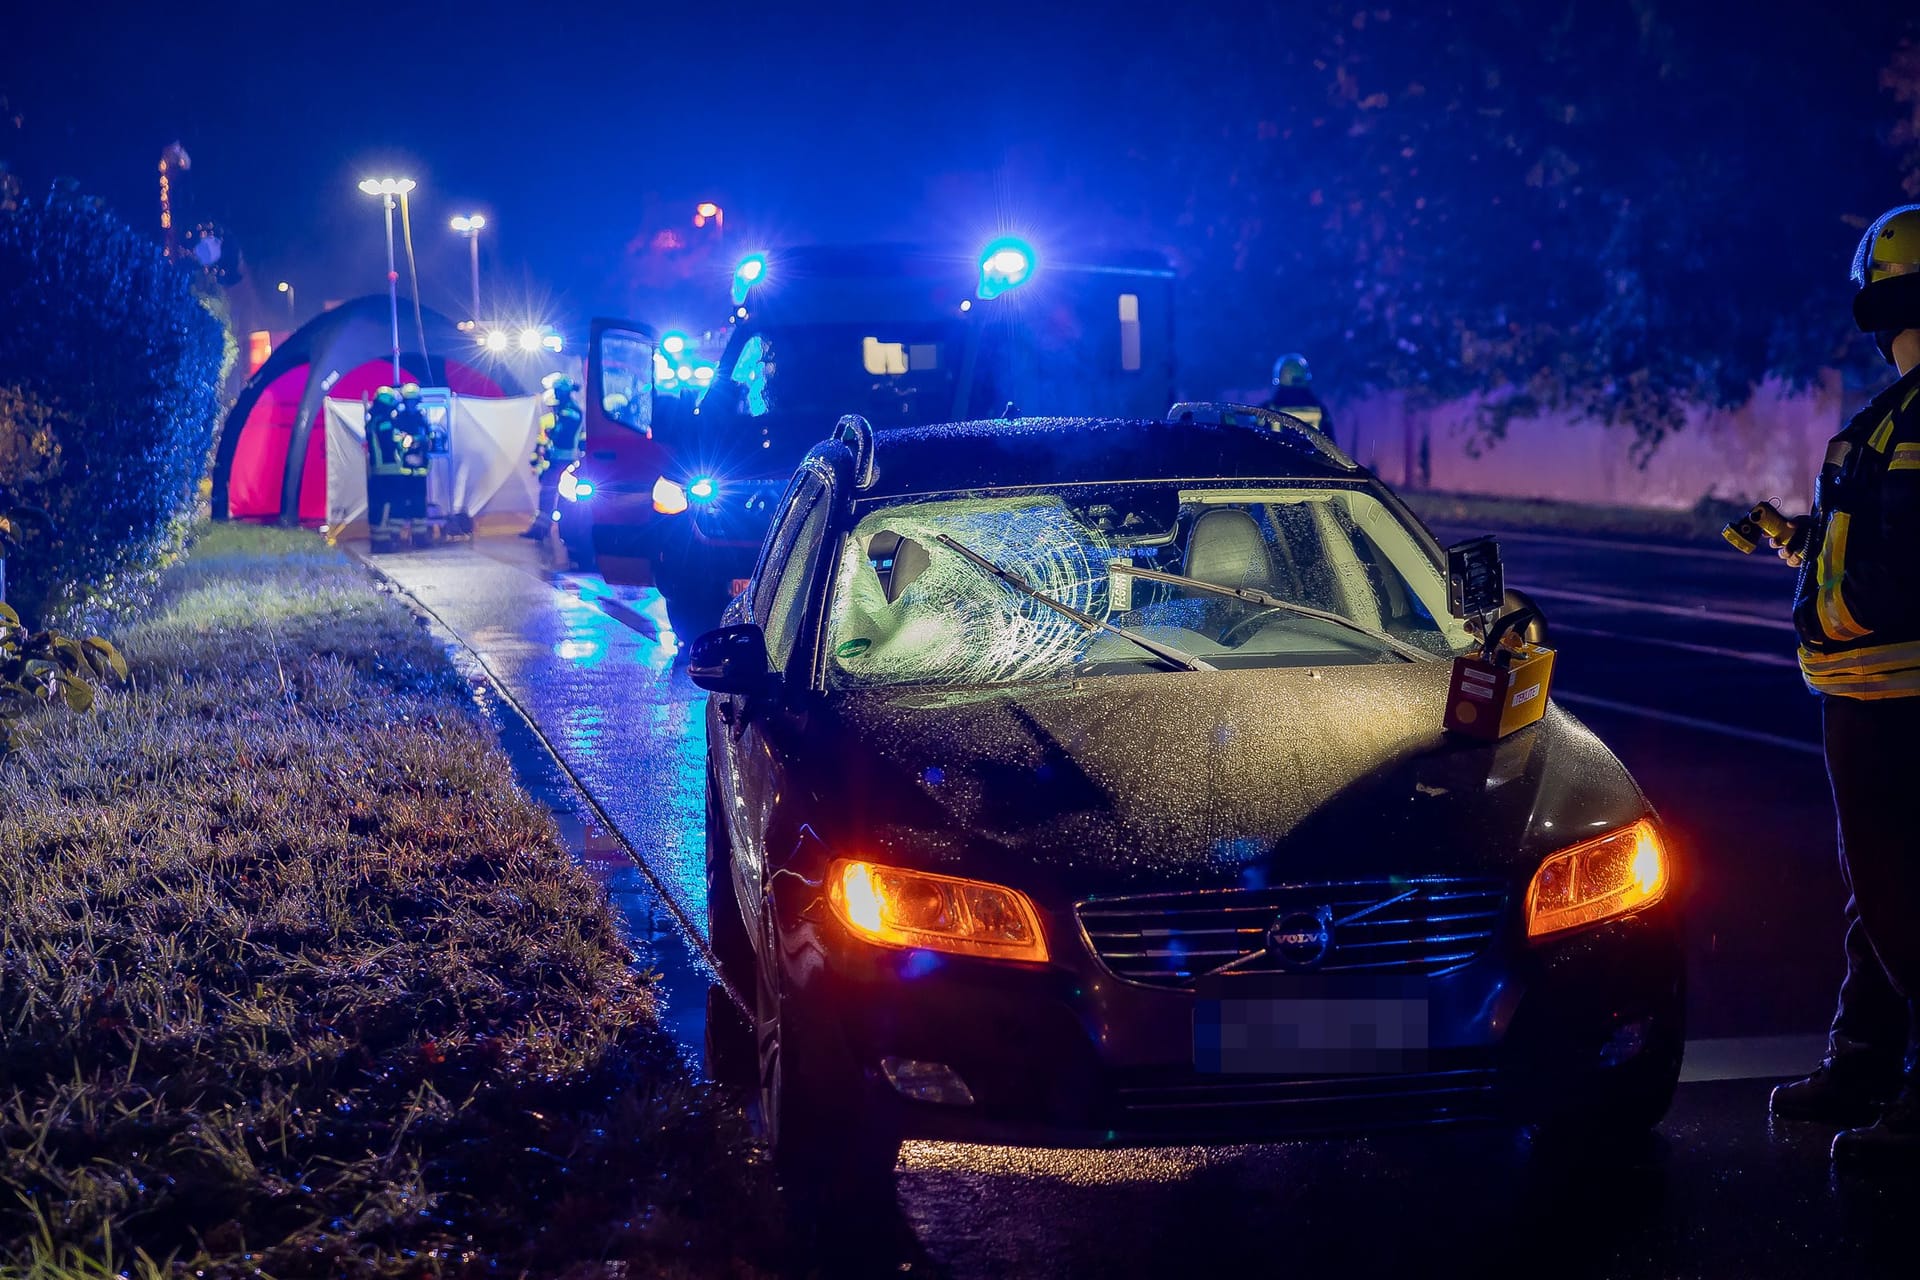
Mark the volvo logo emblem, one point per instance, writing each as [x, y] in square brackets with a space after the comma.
[1300, 940]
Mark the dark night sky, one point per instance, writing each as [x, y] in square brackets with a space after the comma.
[577, 128]
[574, 127]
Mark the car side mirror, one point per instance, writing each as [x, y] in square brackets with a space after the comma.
[731, 660]
[1534, 629]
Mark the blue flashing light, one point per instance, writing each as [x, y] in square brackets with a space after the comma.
[673, 342]
[1006, 263]
[702, 489]
[752, 269]
[582, 489]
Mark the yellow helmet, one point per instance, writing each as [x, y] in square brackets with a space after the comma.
[1891, 247]
[411, 391]
[1886, 270]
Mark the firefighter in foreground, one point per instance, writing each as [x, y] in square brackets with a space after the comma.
[1857, 611]
[1293, 392]
[562, 439]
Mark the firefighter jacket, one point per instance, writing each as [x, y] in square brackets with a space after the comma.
[415, 438]
[1857, 609]
[392, 448]
[384, 453]
[1302, 403]
[562, 437]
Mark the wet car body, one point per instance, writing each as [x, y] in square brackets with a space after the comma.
[1149, 816]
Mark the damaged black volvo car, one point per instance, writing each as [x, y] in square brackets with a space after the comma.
[1086, 782]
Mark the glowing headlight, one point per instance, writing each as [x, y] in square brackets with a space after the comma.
[572, 487]
[1616, 873]
[702, 489]
[669, 499]
[529, 339]
[497, 340]
[896, 908]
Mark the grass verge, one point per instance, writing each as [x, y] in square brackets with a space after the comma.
[294, 981]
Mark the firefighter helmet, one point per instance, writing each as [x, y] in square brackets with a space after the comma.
[1891, 247]
[411, 391]
[385, 396]
[1886, 270]
[1291, 370]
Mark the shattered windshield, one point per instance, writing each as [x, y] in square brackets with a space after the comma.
[909, 609]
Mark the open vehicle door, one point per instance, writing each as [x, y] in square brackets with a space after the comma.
[624, 454]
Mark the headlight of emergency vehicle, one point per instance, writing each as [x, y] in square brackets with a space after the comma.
[1599, 879]
[669, 499]
[574, 487]
[897, 908]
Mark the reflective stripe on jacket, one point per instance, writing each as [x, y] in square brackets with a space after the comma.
[1857, 609]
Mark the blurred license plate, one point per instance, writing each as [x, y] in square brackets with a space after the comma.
[737, 586]
[1314, 1030]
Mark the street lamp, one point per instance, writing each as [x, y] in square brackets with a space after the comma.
[468, 225]
[387, 189]
[707, 211]
[288, 290]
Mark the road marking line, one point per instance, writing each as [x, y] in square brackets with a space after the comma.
[1714, 650]
[1649, 606]
[1690, 722]
[1751, 1058]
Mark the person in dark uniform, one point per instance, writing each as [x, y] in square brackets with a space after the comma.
[414, 438]
[1293, 392]
[1857, 611]
[561, 443]
[385, 468]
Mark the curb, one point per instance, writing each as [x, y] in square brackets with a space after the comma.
[695, 936]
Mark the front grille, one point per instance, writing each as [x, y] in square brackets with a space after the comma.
[1386, 927]
[1202, 1104]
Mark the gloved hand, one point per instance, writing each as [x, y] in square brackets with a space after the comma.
[1780, 545]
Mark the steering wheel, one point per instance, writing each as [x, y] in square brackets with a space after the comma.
[1249, 624]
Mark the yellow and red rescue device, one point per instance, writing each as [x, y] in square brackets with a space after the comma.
[1491, 696]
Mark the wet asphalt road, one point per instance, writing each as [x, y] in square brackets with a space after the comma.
[1675, 655]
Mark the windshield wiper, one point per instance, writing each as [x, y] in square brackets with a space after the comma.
[1165, 652]
[1266, 599]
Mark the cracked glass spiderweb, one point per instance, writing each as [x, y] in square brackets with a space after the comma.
[953, 624]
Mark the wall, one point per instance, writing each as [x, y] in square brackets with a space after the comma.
[1768, 448]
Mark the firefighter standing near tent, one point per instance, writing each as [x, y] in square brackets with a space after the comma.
[562, 440]
[415, 438]
[385, 468]
[1857, 611]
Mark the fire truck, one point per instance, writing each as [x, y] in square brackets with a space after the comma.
[687, 454]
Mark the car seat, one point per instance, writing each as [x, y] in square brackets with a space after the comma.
[1227, 547]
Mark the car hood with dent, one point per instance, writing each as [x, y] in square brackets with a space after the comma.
[1135, 783]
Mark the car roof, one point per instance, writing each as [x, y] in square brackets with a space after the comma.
[1016, 452]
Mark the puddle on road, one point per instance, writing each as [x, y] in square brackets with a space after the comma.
[654, 932]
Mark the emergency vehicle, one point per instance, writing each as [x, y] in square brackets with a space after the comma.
[687, 457]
